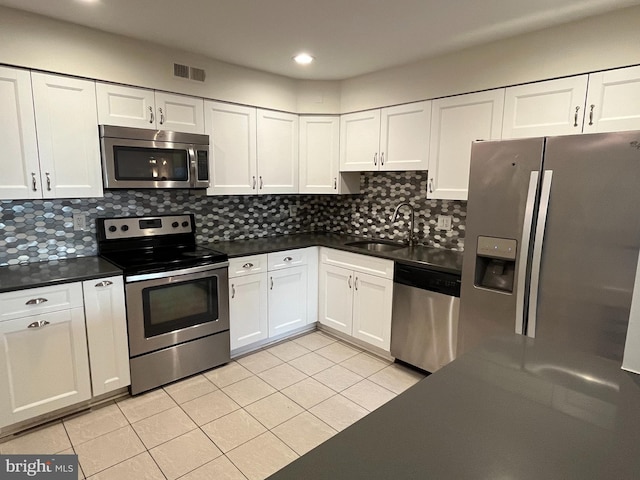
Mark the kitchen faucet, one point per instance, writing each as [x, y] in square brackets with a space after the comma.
[412, 218]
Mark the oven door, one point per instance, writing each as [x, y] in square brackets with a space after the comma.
[170, 308]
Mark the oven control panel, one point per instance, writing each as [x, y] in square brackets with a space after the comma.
[132, 227]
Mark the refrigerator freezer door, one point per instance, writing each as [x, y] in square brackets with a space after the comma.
[590, 250]
[502, 192]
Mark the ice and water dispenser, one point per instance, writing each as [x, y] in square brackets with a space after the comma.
[495, 263]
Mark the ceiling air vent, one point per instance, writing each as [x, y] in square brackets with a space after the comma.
[197, 74]
[180, 70]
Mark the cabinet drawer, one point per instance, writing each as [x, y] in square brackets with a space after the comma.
[247, 265]
[287, 258]
[34, 301]
[379, 267]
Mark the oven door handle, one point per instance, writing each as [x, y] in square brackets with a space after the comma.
[173, 273]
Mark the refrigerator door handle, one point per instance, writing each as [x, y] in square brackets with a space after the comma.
[537, 252]
[524, 250]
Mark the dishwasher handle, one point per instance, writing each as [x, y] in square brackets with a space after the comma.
[425, 278]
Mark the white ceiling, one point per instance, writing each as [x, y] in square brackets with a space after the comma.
[347, 37]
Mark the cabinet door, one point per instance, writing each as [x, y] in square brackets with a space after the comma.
[455, 123]
[179, 113]
[360, 141]
[287, 300]
[19, 164]
[232, 136]
[107, 339]
[404, 137]
[335, 302]
[66, 122]
[248, 309]
[319, 154]
[613, 101]
[277, 152]
[125, 106]
[44, 364]
[554, 107]
[372, 302]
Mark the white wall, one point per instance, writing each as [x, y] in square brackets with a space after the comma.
[597, 43]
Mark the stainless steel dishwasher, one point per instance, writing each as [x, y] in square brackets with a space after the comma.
[424, 322]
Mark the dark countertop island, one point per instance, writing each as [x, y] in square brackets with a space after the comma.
[40, 274]
[429, 257]
[514, 408]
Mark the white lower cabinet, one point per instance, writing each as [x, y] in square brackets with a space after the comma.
[271, 295]
[355, 296]
[248, 309]
[105, 315]
[287, 300]
[45, 364]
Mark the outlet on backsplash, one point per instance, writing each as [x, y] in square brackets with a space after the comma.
[79, 221]
[444, 223]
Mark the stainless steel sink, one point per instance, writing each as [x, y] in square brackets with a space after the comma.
[376, 245]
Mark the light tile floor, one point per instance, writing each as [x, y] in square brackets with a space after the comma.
[244, 420]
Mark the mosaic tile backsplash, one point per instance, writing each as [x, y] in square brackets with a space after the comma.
[40, 230]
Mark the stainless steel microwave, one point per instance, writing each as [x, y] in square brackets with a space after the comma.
[143, 158]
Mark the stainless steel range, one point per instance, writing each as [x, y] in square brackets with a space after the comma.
[176, 294]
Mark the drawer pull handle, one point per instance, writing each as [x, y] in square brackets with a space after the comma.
[355, 284]
[247, 265]
[254, 183]
[104, 283]
[233, 291]
[349, 281]
[161, 116]
[36, 301]
[287, 259]
[38, 324]
[151, 117]
[575, 118]
[48, 175]
[271, 283]
[591, 114]
[34, 186]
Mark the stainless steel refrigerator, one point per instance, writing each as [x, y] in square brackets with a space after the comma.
[552, 240]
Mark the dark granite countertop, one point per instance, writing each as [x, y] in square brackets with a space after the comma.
[429, 257]
[40, 274]
[514, 408]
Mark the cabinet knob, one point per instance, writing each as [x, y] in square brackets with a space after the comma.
[36, 301]
[38, 324]
[104, 283]
[151, 116]
[247, 265]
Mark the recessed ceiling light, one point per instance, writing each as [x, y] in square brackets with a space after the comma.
[303, 59]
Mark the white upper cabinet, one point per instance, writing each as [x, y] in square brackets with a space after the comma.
[277, 146]
[554, 107]
[393, 138]
[68, 144]
[613, 101]
[179, 113]
[144, 108]
[19, 164]
[320, 157]
[455, 123]
[404, 137]
[359, 141]
[233, 168]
